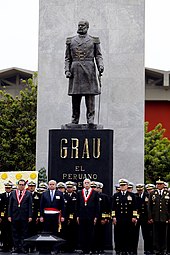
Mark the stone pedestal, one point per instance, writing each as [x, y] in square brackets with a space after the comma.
[78, 154]
[120, 26]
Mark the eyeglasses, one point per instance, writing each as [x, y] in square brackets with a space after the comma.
[21, 184]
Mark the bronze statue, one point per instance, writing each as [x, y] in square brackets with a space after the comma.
[81, 51]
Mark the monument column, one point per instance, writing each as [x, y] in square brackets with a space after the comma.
[120, 27]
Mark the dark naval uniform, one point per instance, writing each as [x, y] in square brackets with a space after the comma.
[142, 209]
[81, 51]
[5, 224]
[124, 208]
[33, 225]
[71, 234]
[159, 213]
[102, 222]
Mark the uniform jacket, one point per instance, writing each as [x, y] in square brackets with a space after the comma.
[57, 203]
[35, 204]
[104, 206]
[124, 207]
[142, 206]
[24, 211]
[159, 206]
[92, 209]
[4, 204]
[79, 60]
[72, 206]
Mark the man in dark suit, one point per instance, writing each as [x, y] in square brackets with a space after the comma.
[124, 216]
[5, 224]
[159, 215]
[87, 214]
[52, 208]
[20, 214]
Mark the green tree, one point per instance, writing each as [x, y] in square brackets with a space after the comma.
[157, 154]
[18, 129]
[42, 176]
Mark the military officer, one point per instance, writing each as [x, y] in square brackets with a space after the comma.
[42, 187]
[130, 186]
[33, 225]
[149, 187]
[81, 51]
[124, 216]
[5, 224]
[142, 198]
[61, 187]
[159, 215]
[117, 187]
[71, 230]
[103, 219]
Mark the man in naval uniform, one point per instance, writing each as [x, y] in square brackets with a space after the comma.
[124, 216]
[81, 50]
[4, 223]
[159, 215]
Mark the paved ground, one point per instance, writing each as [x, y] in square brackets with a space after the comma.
[140, 252]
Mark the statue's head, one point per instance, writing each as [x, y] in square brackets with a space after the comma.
[83, 27]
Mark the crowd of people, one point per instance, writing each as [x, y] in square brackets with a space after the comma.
[83, 217]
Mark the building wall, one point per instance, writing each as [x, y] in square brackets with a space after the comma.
[158, 112]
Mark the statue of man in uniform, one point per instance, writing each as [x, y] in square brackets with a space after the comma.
[81, 51]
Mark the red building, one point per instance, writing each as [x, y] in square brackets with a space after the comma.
[157, 98]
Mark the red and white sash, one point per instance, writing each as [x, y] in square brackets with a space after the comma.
[86, 198]
[17, 195]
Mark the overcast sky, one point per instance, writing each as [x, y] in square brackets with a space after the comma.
[19, 34]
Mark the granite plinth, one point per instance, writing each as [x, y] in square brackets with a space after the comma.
[81, 126]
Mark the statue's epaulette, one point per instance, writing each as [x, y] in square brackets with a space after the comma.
[96, 39]
[68, 40]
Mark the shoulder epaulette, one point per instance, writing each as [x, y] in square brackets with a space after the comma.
[95, 39]
[68, 40]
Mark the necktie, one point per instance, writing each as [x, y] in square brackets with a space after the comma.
[20, 195]
[52, 195]
[87, 193]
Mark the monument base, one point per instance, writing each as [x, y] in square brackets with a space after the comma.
[81, 126]
[80, 153]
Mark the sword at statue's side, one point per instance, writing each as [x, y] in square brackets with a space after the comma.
[100, 85]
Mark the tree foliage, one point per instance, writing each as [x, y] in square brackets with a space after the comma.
[42, 176]
[18, 129]
[157, 154]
